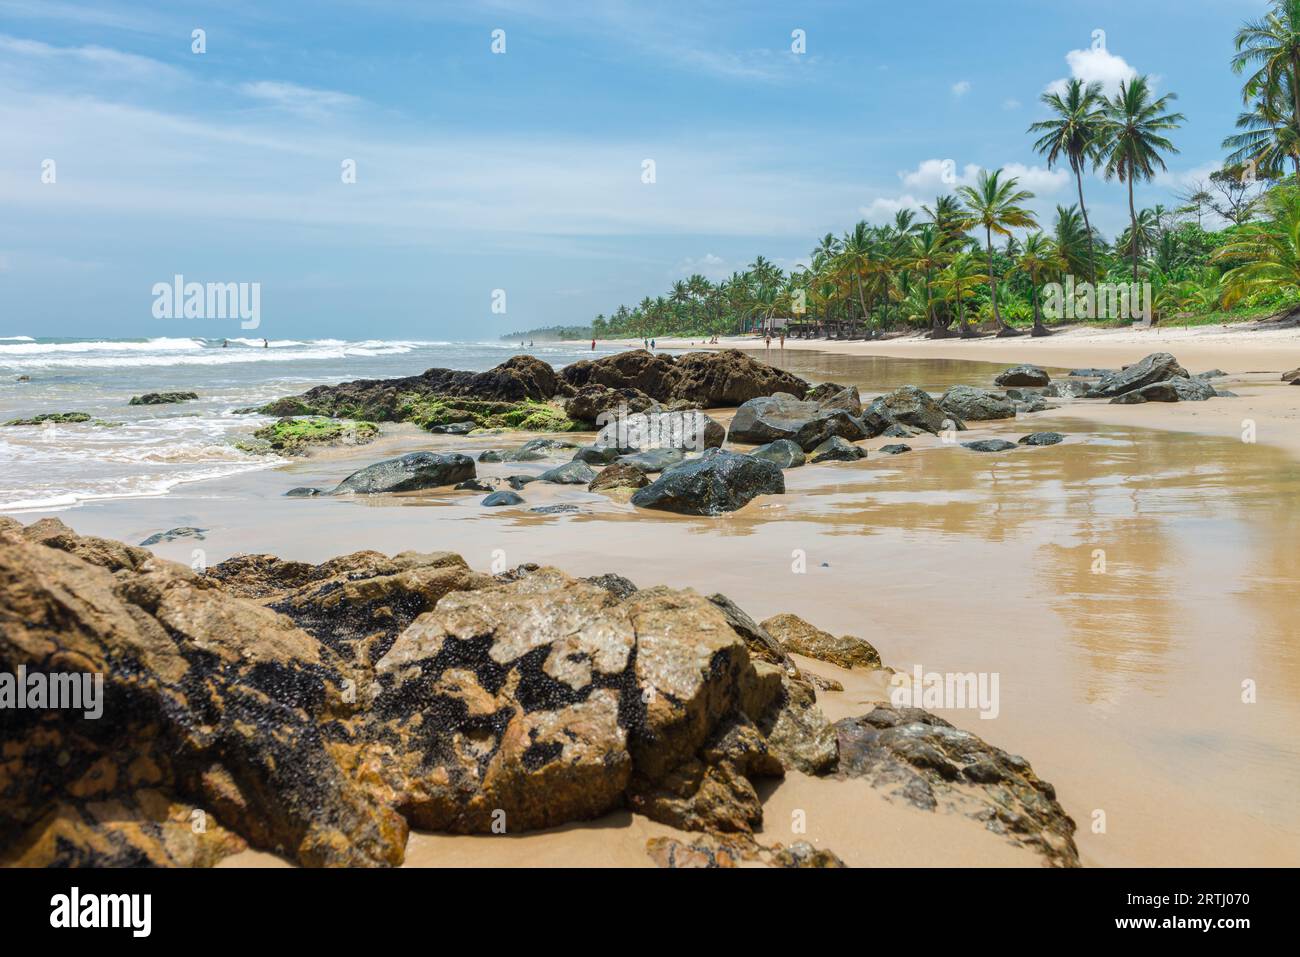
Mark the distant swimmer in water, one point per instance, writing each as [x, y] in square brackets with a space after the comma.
[225, 343]
[265, 344]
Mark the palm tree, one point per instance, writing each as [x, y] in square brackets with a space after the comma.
[1268, 135]
[957, 281]
[1267, 252]
[1038, 255]
[1270, 49]
[1071, 239]
[928, 253]
[995, 205]
[1074, 132]
[1133, 139]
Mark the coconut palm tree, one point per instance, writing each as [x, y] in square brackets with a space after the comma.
[962, 276]
[1074, 132]
[994, 204]
[1133, 139]
[1268, 50]
[1266, 253]
[1068, 233]
[929, 252]
[1038, 255]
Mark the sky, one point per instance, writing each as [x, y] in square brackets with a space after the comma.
[503, 151]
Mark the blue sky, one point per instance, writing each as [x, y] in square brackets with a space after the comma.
[522, 171]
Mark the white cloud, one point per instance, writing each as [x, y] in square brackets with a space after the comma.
[935, 177]
[121, 64]
[1095, 65]
[710, 266]
[298, 99]
[961, 88]
[1011, 104]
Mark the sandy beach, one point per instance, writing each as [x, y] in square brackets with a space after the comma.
[1122, 689]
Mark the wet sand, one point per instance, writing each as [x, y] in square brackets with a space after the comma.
[1123, 689]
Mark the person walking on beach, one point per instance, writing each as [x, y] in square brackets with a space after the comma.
[783, 340]
[767, 342]
[652, 344]
[593, 345]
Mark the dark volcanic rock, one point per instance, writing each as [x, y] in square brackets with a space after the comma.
[1170, 390]
[1064, 389]
[596, 454]
[807, 424]
[1091, 373]
[472, 485]
[836, 449]
[517, 482]
[976, 405]
[162, 398]
[1293, 376]
[1023, 375]
[454, 428]
[989, 445]
[1157, 367]
[502, 498]
[570, 473]
[415, 470]
[895, 449]
[702, 379]
[831, 395]
[911, 407]
[594, 399]
[782, 452]
[687, 429]
[172, 534]
[716, 482]
[303, 491]
[1041, 438]
[653, 460]
[923, 760]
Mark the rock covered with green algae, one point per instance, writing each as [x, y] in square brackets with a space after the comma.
[298, 436]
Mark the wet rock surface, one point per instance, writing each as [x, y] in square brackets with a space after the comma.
[796, 635]
[924, 761]
[1041, 438]
[1023, 375]
[806, 424]
[783, 453]
[408, 473]
[714, 483]
[910, 407]
[1157, 367]
[989, 445]
[975, 405]
[836, 449]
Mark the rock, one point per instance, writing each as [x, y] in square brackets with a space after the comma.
[472, 485]
[1212, 374]
[653, 460]
[645, 372]
[760, 643]
[596, 454]
[563, 509]
[1157, 367]
[1292, 376]
[924, 761]
[971, 404]
[1170, 390]
[289, 436]
[729, 377]
[209, 703]
[1023, 375]
[172, 534]
[783, 453]
[570, 473]
[616, 585]
[454, 428]
[54, 418]
[1032, 405]
[797, 636]
[517, 482]
[900, 431]
[688, 430]
[618, 475]
[1063, 389]
[730, 850]
[831, 395]
[1225, 394]
[162, 398]
[23, 378]
[593, 400]
[895, 449]
[716, 482]
[1091, 373]
[406, 473]
[822, 684]
[1194, 389]
[547, 445]
[911, 407]
[491, 455]
[303, 491]
[502, 498]
[989, 445]
[807, 424]
[835, 449]
[1041, 438]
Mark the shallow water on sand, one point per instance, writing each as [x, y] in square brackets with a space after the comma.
[1122, 684]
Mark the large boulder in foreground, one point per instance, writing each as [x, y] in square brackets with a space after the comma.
[908, 406]
[688, 430]
[407, 473]
[922, 760]
[807, 424]
[714, 483]
[970, 404]
[1157, 367]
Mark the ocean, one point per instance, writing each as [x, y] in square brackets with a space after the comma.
[155, 448]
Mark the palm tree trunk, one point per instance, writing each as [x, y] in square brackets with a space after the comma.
[1040, 330]
[1092, 258]
[961, 316]
[1004, 330]
[1133, 232]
